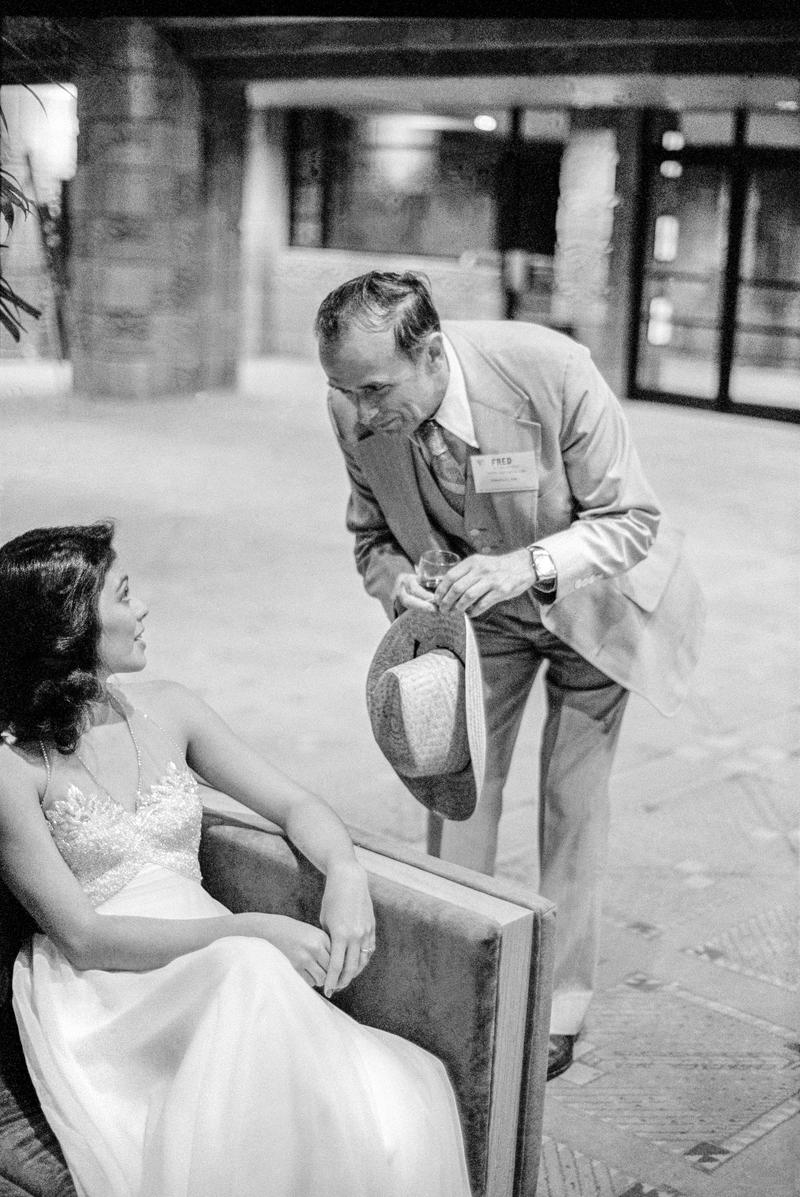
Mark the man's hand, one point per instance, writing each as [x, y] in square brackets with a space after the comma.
[408, 592]
[348, 918]
[479, 582]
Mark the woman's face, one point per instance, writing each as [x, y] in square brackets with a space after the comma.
[122, 649]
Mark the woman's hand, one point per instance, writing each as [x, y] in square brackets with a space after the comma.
[348, 917]
[226, 762]
[307, 948]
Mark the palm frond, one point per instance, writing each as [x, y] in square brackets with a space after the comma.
[13, 199]
[11, 305]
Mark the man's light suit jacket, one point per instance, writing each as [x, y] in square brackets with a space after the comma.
[626, 599]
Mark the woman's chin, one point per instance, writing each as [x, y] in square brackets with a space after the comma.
[135, 663]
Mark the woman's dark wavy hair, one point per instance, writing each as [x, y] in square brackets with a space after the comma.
[380, 300]
[50, 583]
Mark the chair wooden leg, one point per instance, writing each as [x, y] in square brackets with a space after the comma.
[435, 825]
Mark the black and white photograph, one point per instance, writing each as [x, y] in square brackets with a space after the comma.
[399, 543]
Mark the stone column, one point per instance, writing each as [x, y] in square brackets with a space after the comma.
[265, 230]
[224, 134]
[584, 222]
[146, 213]
[622, 322]
[595, 228]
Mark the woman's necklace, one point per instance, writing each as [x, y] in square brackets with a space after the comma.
[94, 776]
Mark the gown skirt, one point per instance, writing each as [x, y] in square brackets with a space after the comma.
[223, 1074]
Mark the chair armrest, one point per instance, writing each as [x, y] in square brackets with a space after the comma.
[463, 968]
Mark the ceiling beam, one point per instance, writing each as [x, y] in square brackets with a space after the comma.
[269, 48]
[247, 37]
[702, 60]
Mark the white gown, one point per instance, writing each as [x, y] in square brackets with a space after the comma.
[221, 1074]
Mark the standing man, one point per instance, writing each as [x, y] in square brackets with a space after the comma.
[501, 441]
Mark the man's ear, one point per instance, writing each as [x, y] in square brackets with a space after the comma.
[434, 350]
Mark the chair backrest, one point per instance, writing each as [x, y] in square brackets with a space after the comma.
[463, 968]
[30, 1157]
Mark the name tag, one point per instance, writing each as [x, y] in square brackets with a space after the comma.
[493, 472]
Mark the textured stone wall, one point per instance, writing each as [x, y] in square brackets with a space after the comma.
[594, 229]
[155, 208]
[136, 212]
[584, 225]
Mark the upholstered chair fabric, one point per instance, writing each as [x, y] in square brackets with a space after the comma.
[445, 975]
[436, 978]
[31, 1163]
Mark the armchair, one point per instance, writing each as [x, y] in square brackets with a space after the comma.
[463, 969]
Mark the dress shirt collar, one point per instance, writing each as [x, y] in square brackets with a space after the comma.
[454, 412]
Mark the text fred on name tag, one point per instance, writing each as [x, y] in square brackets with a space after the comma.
[493, 472]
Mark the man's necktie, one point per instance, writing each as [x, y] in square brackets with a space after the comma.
[450, 476]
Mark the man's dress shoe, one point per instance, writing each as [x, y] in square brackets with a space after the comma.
[559, 1055]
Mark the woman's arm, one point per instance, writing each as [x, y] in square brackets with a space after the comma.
[37, 875]
[225, 761]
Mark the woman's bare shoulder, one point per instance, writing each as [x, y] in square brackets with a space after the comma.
[166, 701]
[21, 770]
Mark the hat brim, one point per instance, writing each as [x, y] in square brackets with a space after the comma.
[449, 795]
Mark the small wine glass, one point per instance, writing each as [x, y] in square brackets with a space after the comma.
[433, 565]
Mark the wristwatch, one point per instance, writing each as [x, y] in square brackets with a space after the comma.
[543, 568]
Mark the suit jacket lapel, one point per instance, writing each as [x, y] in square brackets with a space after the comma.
[505, 421]
[388, 464]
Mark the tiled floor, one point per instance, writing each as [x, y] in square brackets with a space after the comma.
[230, 511]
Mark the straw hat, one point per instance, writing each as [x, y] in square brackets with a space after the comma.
[425, 702]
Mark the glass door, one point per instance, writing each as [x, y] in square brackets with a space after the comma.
[716, 288]
[766, 350]
[685, 247]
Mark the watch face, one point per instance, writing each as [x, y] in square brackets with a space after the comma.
[543, 567]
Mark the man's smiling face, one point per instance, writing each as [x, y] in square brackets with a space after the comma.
[392, 392]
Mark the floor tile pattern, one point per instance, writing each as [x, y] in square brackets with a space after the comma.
[681, 1071]
[765, 947]
[230, 510]
[564, 1172]
[709, 1156]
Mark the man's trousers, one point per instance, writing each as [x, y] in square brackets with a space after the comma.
[579, 738]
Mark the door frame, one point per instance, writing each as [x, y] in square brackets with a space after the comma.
[737, 160]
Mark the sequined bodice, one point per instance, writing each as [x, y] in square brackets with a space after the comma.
[105, 845]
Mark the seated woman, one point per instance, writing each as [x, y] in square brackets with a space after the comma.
[177, 1048]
